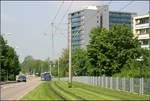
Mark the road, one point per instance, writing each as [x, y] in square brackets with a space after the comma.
[17, 90]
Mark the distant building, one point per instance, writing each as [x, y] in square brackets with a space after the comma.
[120, 18]
[141, 29]
[84, 20]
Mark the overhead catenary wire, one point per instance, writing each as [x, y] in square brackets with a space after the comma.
[126, 5]
[58, 10]
[69, 7]
[109, 3]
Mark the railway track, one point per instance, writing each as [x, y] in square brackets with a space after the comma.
[70, 93]
[58, 95]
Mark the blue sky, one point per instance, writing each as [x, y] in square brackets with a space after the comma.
[29, 20]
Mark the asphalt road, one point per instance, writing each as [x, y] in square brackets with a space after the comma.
[17, 90]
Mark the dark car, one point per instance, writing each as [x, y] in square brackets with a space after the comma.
[21, 79]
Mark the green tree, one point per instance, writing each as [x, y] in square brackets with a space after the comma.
[109, 50]
[10, 66]
[79, 62]
[33, 66]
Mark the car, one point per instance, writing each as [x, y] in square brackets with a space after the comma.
[21, 79]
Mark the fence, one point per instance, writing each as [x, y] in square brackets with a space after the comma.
[136, 85]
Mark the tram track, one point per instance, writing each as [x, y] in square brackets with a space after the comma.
[58, 95]
[69, 93]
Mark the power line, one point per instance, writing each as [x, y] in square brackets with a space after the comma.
[69, 7]
[58, 10]
[109, 3]
[126, 5]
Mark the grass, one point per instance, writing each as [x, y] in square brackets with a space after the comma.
[41, 92]
[79, 91]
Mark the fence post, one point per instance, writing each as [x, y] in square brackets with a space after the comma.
[116, 82]
[106, 81]
[96, 80]
[142, 85]
[124, 84]
[102, 81]
[130, 85]
[93, 80]
[111, 82]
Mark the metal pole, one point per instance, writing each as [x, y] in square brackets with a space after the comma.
[149, 47]
[70, 55]
[58, 70]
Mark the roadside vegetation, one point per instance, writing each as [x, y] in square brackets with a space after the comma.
[9, 61]
[112, 52]
[34, 66]
[58, 90]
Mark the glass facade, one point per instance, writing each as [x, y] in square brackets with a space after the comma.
[75, 28]
[119, 18]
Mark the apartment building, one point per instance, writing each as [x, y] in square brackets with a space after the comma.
[141, 29]
[120, 18]
[84, 20]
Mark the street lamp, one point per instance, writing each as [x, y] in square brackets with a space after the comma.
[140, 60]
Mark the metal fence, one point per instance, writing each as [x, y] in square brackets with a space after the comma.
[136, 85]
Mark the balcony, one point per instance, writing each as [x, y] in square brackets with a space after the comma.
[140, 26]
[76, 25]
[117, 24]
[120, 21]
[76, 39]
[75, 20]
[75, 44]
[118, 16]
[144, 36]
[75, 16]
[144, 46]
[75, 34]
[74, 30]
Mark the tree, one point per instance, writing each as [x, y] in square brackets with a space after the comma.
[33, 66]
[9, 61]
[63, 62]
[109, 50]
[79, 62]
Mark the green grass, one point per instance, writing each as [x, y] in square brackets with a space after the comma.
[41, 92]
[79, 91]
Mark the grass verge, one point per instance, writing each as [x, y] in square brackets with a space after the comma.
[79, 91]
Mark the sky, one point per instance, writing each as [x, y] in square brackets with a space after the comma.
[26, 25]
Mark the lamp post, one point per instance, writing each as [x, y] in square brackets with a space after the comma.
[140, 60]
[141, 79]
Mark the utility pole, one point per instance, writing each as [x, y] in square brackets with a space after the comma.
[70, 55]
[149, 49]
[58, 70]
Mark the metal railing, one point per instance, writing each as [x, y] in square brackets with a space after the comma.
[136, 85]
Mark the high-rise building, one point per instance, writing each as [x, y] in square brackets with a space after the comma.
[120, 18]
[141, 29]
[84, 20]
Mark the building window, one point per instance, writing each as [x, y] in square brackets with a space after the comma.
[101, 20]
[97, 21]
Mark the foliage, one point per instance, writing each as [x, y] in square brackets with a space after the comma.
[9, 61]
[33, 66]
[111, 50]
[80, 62]
[63, 64]
[134, 68]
